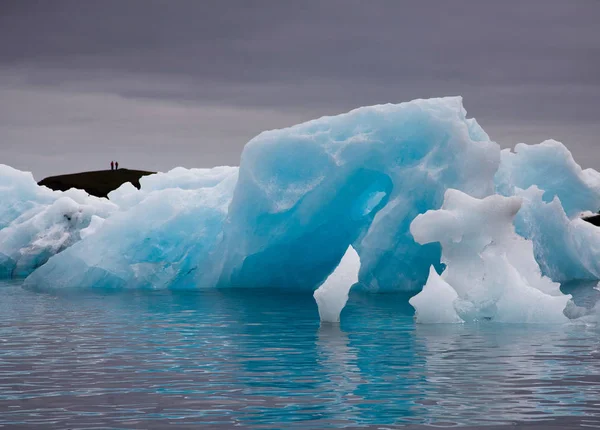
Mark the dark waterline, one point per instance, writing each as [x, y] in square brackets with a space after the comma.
[144, 359]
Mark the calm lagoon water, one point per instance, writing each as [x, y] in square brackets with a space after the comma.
[142, 359]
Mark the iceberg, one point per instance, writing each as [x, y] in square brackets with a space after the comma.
[162, 237]
[307, 192]
[127, 196]
[302, 197]
[551, 168]
[19, 194]
[435, 303]
[556, 191]
[566, 248]
[490, 268]
[37, 223]
[331, 297]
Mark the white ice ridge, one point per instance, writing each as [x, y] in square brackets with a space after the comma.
[491, 273]
[332, 295]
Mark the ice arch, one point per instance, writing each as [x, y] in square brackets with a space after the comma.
[298, 247]
[301, 196]
[299, 200]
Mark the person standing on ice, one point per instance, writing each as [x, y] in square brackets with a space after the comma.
[112, 165]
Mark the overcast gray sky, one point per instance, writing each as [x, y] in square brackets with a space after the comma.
[158, 84]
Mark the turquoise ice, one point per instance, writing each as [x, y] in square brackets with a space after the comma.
[300, 198]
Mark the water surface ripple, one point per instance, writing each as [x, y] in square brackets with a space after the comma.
[260, 359]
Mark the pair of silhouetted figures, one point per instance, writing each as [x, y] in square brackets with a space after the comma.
[114, 165]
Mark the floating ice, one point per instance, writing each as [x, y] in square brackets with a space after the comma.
[435, 303]
[551, 168]
[566, 249]
[127, 196]
[331, 297]
[301, 197]
[555, 191]
[20, 194]
[491, 269]
[36, 222]
[163, 237]
[307, 192]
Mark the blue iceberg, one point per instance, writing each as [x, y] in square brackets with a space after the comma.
[555, 192]
[300, 198]
[163, 236]
[306, 193]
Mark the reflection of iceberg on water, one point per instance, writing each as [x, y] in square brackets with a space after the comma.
[501, 372]
[338, 361]
[491, 273]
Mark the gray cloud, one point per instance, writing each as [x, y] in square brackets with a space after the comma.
[225, 70]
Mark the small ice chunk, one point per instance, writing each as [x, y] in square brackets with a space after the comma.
[332, 295]
[435, 304]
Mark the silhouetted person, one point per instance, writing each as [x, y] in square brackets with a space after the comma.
[116, 165]
[112, 165]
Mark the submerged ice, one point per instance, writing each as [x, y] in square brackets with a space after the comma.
[305, 194]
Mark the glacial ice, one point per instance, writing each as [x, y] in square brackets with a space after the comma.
[307, 192]
[555, 192]
[36, 222]
[19, 194]
[300, 198]
[162, 237]
[127, 196]
[550, 167]
[332, 295]
[435, 303]
[566, 248]
[491, 269]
